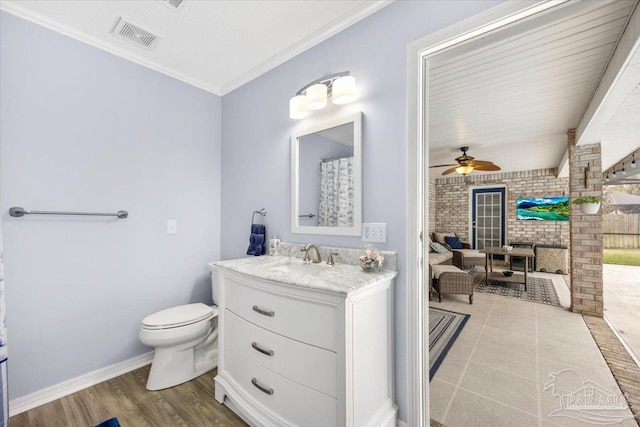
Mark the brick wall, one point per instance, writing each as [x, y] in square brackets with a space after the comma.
[586, 230]
[432, 206]
[452, 204]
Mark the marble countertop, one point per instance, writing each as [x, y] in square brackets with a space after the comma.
[338, 278]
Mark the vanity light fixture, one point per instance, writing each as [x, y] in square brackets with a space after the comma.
[313, 96]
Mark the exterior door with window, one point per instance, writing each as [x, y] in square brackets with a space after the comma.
[488, 217]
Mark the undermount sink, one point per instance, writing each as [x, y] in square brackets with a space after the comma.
[301, 268]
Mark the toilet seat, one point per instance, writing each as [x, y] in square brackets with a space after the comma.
[181, 315]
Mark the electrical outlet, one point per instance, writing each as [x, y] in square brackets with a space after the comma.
[172, 226]
[374, 232]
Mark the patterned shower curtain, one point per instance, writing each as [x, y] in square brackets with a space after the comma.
[336, 193]
[4, 396]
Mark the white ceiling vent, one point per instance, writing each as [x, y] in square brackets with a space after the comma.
[133, 33]
[173, 4]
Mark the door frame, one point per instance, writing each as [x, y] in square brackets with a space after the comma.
[503, 213]
[495, 19]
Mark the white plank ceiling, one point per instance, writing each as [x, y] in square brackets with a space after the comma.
[512, 96]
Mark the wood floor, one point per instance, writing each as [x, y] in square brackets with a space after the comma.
[190, 405]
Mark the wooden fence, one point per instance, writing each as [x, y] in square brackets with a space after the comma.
[621, 231]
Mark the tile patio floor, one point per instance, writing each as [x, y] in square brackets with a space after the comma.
[495, 373]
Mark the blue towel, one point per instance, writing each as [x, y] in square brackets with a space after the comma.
[257, 240]
[113, 422]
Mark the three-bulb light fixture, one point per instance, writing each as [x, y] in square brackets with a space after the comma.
[313, 96]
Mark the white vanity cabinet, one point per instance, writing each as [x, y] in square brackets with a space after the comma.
[306, 355]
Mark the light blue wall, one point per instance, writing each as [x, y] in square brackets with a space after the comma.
[256, 131]
[82, 129]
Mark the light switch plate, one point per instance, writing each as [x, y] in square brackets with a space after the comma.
[374, 232]
[172, 226]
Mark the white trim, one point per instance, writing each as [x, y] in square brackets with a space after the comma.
[366, 9]
[502, 15]
[73, 385]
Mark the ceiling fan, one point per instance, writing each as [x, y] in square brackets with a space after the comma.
[467, 163]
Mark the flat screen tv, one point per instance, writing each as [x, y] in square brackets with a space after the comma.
[543, 208]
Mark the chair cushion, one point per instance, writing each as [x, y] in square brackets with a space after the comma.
[439, 237]
[453, 242]
[439, 269]
[437, 247]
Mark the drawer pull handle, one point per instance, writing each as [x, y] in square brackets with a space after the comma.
[268, 391]
[261, 350]
[264, 312]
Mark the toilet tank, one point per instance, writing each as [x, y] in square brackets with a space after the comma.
[214, 284]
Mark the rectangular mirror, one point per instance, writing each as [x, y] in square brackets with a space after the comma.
[326, 177]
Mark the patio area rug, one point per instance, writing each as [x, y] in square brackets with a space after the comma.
[538, 289]
[444, 328]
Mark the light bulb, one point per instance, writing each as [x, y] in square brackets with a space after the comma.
[463, 170]
[624, 171]
[298, 107]
[343, 90]
[613, 174]
[633, 162]
[317, 96]
[607, 178]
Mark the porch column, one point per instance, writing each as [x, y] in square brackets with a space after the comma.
[586, 230]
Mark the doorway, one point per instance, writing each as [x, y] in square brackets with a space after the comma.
[487, 217]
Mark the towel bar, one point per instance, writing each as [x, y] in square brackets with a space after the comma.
[18, 212]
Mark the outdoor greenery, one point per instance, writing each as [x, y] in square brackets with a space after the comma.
[589, 199]
[622, 256]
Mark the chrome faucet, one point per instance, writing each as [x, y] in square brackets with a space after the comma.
[315, 254]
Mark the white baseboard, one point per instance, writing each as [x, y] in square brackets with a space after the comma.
[66, 388]
[402, 423]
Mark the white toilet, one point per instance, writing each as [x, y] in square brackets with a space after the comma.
[186, 342]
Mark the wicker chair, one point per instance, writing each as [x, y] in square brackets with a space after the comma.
[448, 279]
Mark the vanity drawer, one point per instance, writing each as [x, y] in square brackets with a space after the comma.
[300, 405]
[305, 364]
[302, 320]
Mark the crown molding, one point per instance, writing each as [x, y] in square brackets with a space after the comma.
[29, 15]
[357, 14]
[361, 12]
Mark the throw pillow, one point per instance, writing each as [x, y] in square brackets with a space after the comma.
[437, 247]
[440, 236]
[453, 242]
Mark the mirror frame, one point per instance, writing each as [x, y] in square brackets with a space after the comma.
[356, 229]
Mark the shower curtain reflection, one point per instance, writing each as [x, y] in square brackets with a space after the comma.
[336, 192]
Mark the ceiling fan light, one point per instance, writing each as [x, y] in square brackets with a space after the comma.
[464, 169]
[344, 90]
[316, 96]
[298, 107]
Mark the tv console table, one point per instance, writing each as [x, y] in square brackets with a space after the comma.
[517, 277]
